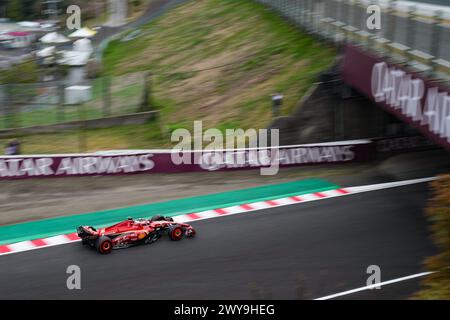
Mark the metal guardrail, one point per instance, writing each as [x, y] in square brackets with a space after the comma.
[406, 37]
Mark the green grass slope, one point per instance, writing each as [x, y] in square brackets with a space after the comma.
[219, 60]
[212, 60]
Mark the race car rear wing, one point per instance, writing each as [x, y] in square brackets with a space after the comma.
[86, 232]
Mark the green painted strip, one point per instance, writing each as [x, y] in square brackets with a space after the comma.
[67, 224]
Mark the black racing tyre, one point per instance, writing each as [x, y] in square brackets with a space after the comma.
[176, 232]
[103, 245]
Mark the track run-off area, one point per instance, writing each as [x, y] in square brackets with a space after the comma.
[307, 250]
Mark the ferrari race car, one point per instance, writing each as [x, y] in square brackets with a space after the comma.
[133, 232]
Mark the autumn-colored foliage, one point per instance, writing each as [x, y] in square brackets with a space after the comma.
[437, 285]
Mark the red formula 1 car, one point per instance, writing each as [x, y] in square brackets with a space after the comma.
[133, 232]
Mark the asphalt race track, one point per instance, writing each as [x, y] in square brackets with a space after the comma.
[302, 251]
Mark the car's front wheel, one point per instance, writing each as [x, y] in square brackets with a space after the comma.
[104, 245]
[175, 232]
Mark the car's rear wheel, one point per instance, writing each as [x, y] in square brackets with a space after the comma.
[104, 245]
[176, 232]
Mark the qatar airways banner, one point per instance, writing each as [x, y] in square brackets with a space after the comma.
[161, 161]
[414, 99]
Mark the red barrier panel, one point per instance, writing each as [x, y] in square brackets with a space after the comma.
[160, 161]
[414, 99]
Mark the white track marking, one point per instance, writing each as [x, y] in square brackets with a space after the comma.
[372, 286]
[380, 186]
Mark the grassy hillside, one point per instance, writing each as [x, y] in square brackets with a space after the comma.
[212, 60]
[219, 60]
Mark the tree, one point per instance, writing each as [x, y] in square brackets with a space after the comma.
[15, 10]
[32, 9]
[37, 8]
[3, 4]
[437, 285]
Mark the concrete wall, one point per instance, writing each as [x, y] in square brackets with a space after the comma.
[332, 111]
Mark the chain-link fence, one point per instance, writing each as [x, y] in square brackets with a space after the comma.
[25, 105]
[423, 37]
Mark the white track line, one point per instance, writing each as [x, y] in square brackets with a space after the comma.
[380, 186]
[372, 286]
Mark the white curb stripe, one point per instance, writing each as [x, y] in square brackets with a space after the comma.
[187, 218]
[308, 197]
[182, 218]
[234, 210]
[216, 213]
[260, 205]
[332, 193]
[284, 201]
[57, 240]
[21, 246]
